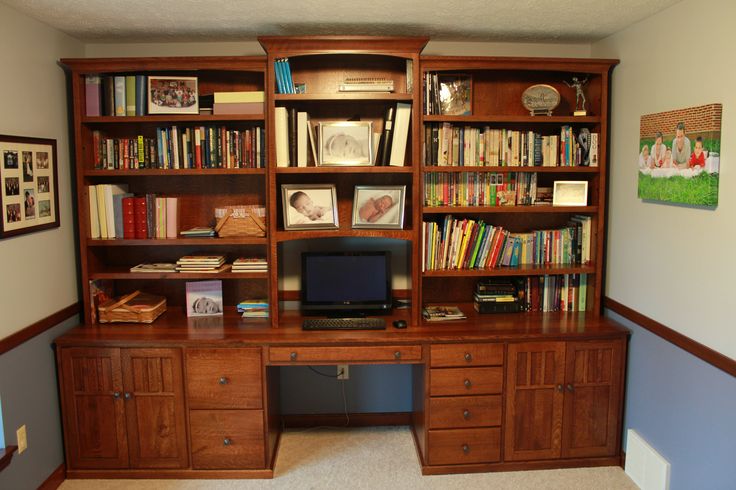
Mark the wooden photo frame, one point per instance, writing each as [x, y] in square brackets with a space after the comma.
[30, 188]
[379, 206]
[345, 143]
[456, 95]
[307, 207]
[570, 193]
[172, 95]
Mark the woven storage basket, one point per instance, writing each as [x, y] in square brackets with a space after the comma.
[136, 307]
[237, 221]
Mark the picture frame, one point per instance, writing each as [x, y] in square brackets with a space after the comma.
[456, 94]
[30, 187]
[172, 95]
[307, 207]
[570, 193]
[345, 143]
[204, 298]
[379, 207]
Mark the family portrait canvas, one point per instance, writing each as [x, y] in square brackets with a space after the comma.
[679, 156]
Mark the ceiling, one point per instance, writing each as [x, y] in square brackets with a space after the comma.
[555, 21]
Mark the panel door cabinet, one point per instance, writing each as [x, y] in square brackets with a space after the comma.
[123, 408]
[563, 399]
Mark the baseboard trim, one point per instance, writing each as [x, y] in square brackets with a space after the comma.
[54, 480]
[14, 340]
[684, 342]
[352, 419]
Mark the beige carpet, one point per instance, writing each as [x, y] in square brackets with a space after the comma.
[371, 458]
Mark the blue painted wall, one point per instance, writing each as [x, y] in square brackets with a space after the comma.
[685, 409]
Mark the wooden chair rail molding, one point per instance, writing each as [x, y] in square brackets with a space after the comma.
[684, 342]
[14, 340]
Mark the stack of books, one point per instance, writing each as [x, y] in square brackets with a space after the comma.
[496, 296]
[154, 267]
[239, 102]
[202, 263]
[440, 313]
[198, 231]
[252, 264]
[253, 308]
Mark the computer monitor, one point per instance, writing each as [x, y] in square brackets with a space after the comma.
[346, 283]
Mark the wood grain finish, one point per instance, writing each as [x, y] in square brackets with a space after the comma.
[465, 381]
[465, 411]
[464, 446]
[383, 354]
[227, 439]
[461, 355]
[224, 378]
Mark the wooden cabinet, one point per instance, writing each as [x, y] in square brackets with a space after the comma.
[123, 408]
[563, 399]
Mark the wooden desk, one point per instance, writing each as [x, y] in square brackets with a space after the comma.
[191, 398]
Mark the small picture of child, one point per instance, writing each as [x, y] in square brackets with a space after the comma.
[309, 207]
[378, 207]
[698, 155]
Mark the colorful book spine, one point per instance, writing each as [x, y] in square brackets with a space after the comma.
[92, 95]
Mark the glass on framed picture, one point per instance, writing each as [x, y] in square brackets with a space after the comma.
[455, 95]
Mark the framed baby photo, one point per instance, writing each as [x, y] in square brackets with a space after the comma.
[570, 193]
[379, 206]
[346, 143]
[308, 207]
[172, 95]
[30, 194]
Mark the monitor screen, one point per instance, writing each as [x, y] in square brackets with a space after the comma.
[359, 282]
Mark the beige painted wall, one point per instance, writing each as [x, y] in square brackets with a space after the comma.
[674, 264]
[38, 270]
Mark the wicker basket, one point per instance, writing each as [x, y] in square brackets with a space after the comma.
[237, 221]
[135, 307]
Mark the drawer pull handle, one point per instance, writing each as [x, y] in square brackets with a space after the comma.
[128, 396]
[466, 448]
[292, 356]
[560, 388]
[570, 388]
[397, 355]
[227, 441]
[468, 356]
[116, 395]
[467, 383]
[224, 380]
[466, 414]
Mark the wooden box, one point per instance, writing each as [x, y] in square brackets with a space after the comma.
[136, 307]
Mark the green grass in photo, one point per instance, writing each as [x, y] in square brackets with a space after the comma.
[698, 191]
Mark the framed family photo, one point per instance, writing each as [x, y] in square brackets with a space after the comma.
[30, 196]
[307, 207]
[379, 206]
[172, 95]
[346, 143]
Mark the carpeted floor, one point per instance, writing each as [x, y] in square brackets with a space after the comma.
[371, 458]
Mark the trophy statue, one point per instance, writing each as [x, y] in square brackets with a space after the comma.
[578, 84]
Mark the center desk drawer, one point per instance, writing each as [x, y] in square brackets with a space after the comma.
[380, 353]
[465, 381]
[460, 355]
[224, 378]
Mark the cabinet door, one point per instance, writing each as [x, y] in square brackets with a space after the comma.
[93, 408]
[593, 386]
[534, 401]
[154, 408]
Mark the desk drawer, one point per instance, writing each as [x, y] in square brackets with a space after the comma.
[460, 355]
[380, 353]
[224, 378]
[464, 446]
[227, 439]
[464, 411]
[465, 381]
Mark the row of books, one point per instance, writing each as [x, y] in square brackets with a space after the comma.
[484, 189]
[470, 244]
[447, 144]
[116, 213]
[432, 104]
[175, 148]
[119, 95]
[284, 82]
[562, 292]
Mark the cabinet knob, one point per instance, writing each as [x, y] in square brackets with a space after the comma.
[560, 388]
[128, 396]
[224, 380]
[466, 448]
[468, 356]
[397, 355]
[292, 356]
[467, 383]
[227, 441]
[570, 388]
[466, 414]
[116, 395]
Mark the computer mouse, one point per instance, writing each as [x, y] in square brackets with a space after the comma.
[399, 323]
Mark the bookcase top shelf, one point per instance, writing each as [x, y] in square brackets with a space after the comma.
[468, 63]
[278, 46]
[159, 64]
[172, 118]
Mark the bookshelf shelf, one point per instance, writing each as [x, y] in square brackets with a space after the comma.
[125, 274]
[152, 172]
[510, 209]
[500, 118]
[172, 118]
[526, 270]
[346, 96]
[507, 169]
[345, 170]
[285, 236]
[168, 242]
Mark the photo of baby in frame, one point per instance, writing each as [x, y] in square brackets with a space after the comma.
[346, 143]
[204, 298]
[379, 206]
[309, 206]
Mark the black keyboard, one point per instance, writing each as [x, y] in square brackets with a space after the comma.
[344, 324]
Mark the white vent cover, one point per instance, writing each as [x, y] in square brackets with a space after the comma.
[644, 465]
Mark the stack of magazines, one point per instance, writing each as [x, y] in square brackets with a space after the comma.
[252, 264]
[202, 263]
[253, 308]
[442, 313]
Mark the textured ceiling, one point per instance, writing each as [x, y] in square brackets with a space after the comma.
[234, 20]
